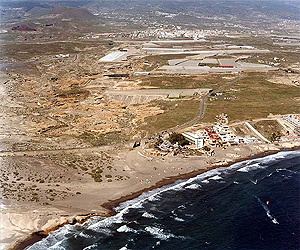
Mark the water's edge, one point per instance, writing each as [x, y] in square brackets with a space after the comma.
[111, 205]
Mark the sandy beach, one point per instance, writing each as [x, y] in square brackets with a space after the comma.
[21, 220]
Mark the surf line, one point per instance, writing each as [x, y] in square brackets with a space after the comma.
[268, 212]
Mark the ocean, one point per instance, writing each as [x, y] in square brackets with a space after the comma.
[251, 205]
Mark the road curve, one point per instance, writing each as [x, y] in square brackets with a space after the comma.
[202, 108]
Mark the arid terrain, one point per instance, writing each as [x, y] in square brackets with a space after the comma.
[76, 129]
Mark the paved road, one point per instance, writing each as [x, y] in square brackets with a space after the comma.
[76, 58]
[202, 108]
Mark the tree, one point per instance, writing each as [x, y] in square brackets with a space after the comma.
[206, 148]
[158, 142]
[275, 137]
[176, 137]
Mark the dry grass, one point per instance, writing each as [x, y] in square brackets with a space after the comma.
[256, 98]
[268, 127]
[159, 60]
[176, 113]
[24, 51]
[177, 82]
[103, 139]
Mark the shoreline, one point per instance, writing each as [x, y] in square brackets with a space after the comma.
[38, 236]
[111, 204]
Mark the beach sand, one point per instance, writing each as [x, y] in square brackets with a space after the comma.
[20, 219]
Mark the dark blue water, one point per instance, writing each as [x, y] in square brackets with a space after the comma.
[251, 205]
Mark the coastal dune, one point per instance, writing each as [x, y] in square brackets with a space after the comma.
[21, 220]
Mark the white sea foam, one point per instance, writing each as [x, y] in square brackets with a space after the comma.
[268, 212]
[203, 178]
[178, 219]
[189, 215]
[82, 234]
[159, 233]
[107, 222]
[103, 230]
[205, 181]
[53, 240]
[216, 177]
[124, 248]
[251, 167]
[125, 229]
[278, 156]
[90, 247]
[154, 198]
[254, 182]
[288, 170]
[193, 186]
[57, 246]
[58, 236]
[176, 186]
[148, 215]
[273, 219]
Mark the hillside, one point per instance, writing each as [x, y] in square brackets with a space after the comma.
[244, 9]
[64, 12]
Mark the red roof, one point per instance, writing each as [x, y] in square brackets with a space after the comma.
[212, 134]
[226, 66]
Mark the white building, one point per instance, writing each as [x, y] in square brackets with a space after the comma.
[294, 120]
[226, 134]
[196, 139]
[141, 73]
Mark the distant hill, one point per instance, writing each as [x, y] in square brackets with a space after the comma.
[54, 20]
[25, 5]
[36, 12]
[242, 9]
[77, 14]
[23, 27]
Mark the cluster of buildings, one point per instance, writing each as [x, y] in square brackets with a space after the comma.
[177, 32]
[214, 136]
[160, 31]
[293, 120]
[218, 135]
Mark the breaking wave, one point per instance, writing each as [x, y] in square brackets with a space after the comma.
[193, 186]
[168, 208]
[125, 229]
[159, 233]
[178, 219]
[148, 215]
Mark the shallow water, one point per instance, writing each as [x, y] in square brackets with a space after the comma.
[250, 205]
